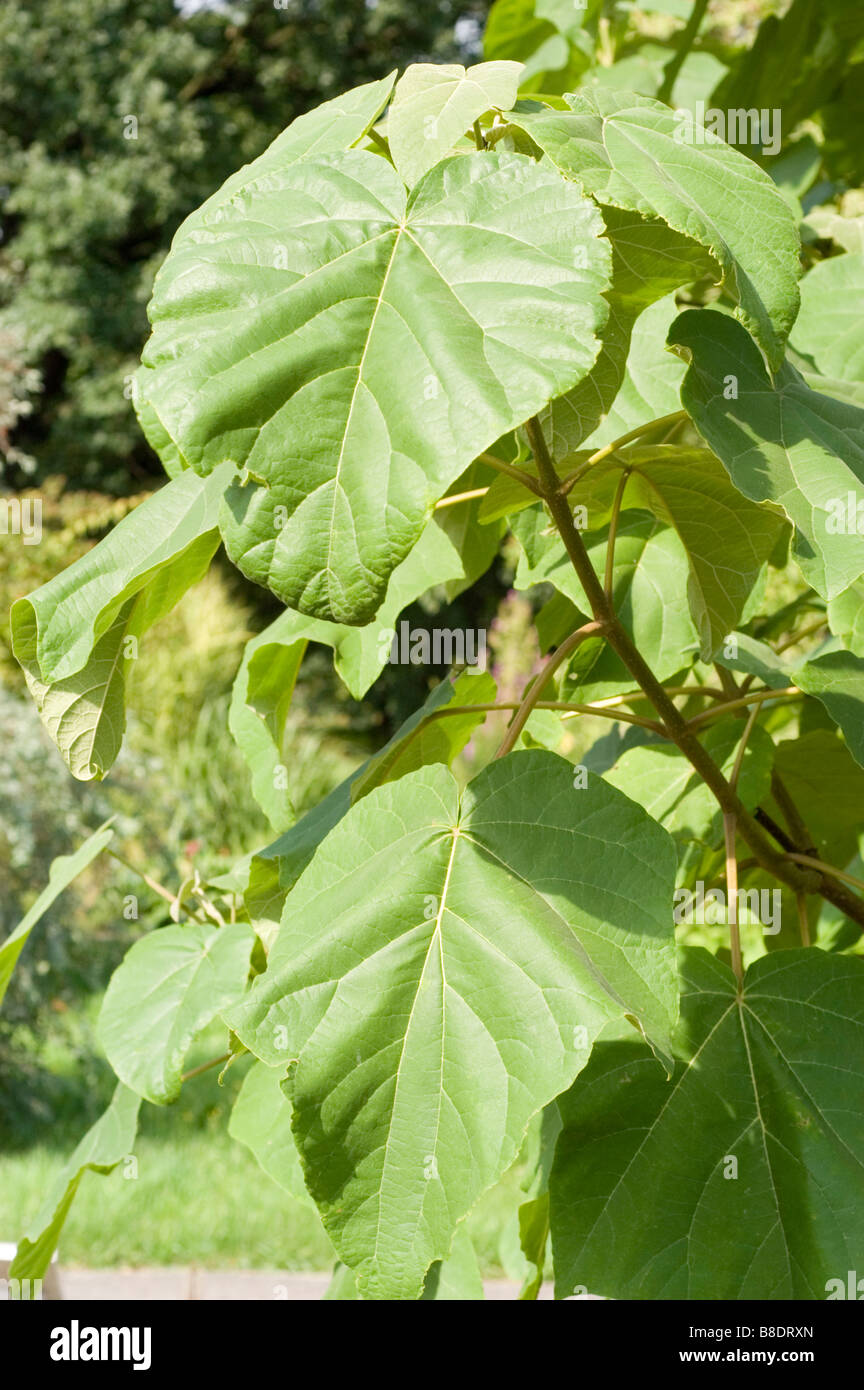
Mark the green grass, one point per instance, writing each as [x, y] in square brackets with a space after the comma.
[198, 1198]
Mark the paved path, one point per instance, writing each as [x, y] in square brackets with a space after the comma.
[186, 1282]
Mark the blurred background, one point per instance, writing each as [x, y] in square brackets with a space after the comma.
[89, 201]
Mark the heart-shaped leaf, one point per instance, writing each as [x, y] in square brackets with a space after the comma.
[280, 332]
[441, 970]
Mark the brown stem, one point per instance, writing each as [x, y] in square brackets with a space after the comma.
[792, 816]
[797, 637]
[777, 831]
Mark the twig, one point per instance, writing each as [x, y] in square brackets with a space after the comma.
[812, 862]
[679, 729]
[797, 637]
[685, 43]
[512, 472]
[742, 701]
[742, 747]
[797, 828]
[677, 417]
[530, 699]
[145, 878]
[803, 919]
[206, 1066]
[461, 497]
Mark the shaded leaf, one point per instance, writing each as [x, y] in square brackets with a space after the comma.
[837, 680]
[780, 441]
[264, 685]
[261, 1119]
[740, 1177]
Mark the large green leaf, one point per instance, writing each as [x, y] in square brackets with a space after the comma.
[457, 1278]
[261, 696]
[170, 985]
[436, 103]
[740, 1178]
[261, 1119]
[780, 441]
[76, 635]
[280, 333]
[534, 33]
[106, 1144]
[441, 970]
[633, 153]
[63, 870]
[829, 330]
